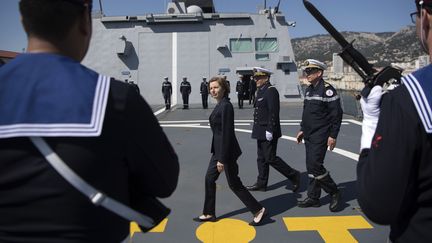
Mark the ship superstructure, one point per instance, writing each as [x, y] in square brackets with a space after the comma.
[193, 40]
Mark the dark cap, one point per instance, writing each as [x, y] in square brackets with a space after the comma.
[82, 2]
[76, 2]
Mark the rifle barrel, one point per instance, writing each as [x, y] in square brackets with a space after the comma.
[350, 55]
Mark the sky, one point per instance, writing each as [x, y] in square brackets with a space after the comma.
[345, 15]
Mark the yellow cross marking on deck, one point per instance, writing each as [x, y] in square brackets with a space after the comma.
[225, 231]
[158, 229]
[332, 229]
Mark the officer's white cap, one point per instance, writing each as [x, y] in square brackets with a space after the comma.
[312, 63]
[259, 71]
[165, 77]
[204, 77]
[184, 77]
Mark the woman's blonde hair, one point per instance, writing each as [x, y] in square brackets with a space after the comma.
[222, 82]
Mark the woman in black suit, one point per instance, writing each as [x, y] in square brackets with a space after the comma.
[225, 151]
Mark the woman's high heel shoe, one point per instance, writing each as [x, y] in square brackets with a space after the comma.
[205, 219]
[257, 220]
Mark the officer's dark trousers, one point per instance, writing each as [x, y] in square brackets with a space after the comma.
[252, 97]
[167, 98]
[235, 184]
[240, 101]
[267, 156]
[204, 98]
[185, 101]
[319, 177]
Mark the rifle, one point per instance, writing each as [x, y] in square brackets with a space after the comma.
[354, 58]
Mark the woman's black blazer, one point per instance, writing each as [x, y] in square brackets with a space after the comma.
[225, 146]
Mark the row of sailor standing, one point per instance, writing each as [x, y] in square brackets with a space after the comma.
[186, 89]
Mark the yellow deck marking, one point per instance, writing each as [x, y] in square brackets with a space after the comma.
[225, 231]
[158, 229]
[332, 229]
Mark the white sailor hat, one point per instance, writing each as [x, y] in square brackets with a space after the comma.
[312, 63]
[204, 77]
[259, 71]
[166, 78]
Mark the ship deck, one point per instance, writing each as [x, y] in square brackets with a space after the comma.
[190, 135]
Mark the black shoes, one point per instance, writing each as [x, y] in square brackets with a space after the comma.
[209, 219]
[309, 202]
[335, 201]
[258, 219]
[295, 182]
[256, 187]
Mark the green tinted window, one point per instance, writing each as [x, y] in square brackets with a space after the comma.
[241, 45]
[266, 45]
[262, 56]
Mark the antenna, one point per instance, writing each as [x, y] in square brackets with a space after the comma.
[265, 4]
[100, 6]
[276, 9]
[181, 10]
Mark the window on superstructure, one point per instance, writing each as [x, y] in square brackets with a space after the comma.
[241, 45]
[265, 45]
[262, 56]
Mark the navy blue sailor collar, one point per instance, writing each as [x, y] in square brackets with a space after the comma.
[419, 85]
[50, 95]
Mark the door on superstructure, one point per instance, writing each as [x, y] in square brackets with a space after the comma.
[248, 83]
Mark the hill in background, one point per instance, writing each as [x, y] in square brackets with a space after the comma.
[379, 48]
